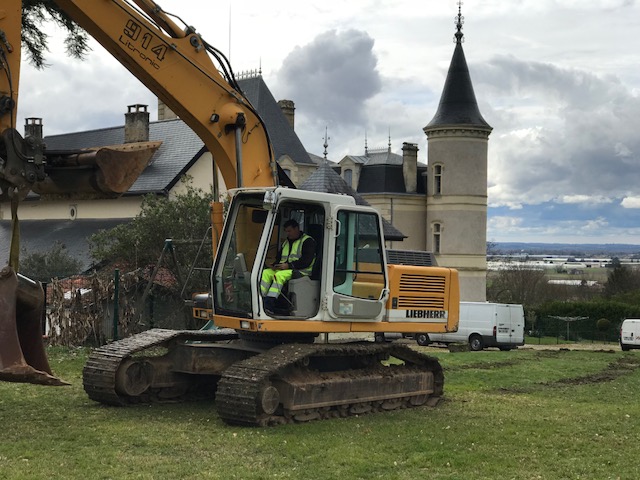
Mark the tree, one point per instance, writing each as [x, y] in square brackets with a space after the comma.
[518, 284]
[139, 243]
[54, 263]
[621, 279]
[35, 41]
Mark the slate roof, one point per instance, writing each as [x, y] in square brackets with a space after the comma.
[317, 159]
[381, 172]
[458, 105]
[325, 179]
[283, 138]
[377, 157]
[40, 235]
[388, 179]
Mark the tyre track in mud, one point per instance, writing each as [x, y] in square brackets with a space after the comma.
[620, 367]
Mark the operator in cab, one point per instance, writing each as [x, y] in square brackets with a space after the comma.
[297, 254]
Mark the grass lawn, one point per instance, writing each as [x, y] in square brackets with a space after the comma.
[524, 414]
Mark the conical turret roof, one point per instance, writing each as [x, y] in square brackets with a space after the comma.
[458, 105]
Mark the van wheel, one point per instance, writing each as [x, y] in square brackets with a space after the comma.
[422, 339]
[475, 343]
[625, 348]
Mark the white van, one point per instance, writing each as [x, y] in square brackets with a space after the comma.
[630, 334]
[484, 325]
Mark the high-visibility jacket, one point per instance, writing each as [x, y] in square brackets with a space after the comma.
[293, 254]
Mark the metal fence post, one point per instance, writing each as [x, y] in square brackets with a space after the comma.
[43, 320]
[116, 303]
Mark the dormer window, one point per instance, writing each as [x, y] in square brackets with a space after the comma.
[348, 177]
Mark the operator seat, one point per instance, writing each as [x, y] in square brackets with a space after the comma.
[304, 292]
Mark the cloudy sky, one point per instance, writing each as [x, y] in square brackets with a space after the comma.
[559, 83]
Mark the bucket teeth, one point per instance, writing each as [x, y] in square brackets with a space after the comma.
[27, 374]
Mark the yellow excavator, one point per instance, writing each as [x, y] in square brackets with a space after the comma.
[265, 366]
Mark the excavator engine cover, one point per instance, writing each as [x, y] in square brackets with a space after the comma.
[22, 354]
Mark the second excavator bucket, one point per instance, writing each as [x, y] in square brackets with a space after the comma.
[22, 353]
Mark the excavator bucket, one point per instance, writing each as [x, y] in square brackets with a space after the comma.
[22, 354]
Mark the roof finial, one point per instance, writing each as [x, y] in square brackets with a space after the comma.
[389, 145]
[459, 21]
[326, 142]
[366, 148]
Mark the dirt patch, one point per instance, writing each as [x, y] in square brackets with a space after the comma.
[488, 365]
[614, 370]
[593, 347]
[514, 360]
[622, 366]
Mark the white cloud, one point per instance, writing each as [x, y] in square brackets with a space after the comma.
[630, 202]
[595, 226]
[503, 222]
[584, 199]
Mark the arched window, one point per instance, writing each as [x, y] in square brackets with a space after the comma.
[437, 232]
[437, 179]
[348, 177]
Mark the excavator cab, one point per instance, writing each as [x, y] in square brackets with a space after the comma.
[349, 269]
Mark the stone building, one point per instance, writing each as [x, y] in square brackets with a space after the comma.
[441, 207]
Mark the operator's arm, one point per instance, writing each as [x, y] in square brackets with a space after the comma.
[308, 254]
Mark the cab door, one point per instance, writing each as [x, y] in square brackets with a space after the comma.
[358, 286]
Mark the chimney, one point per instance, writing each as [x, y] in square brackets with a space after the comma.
[410, 166]
[136, 124]
[33, 128]
[288, 108]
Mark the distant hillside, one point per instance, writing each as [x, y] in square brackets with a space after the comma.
[574, 250]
